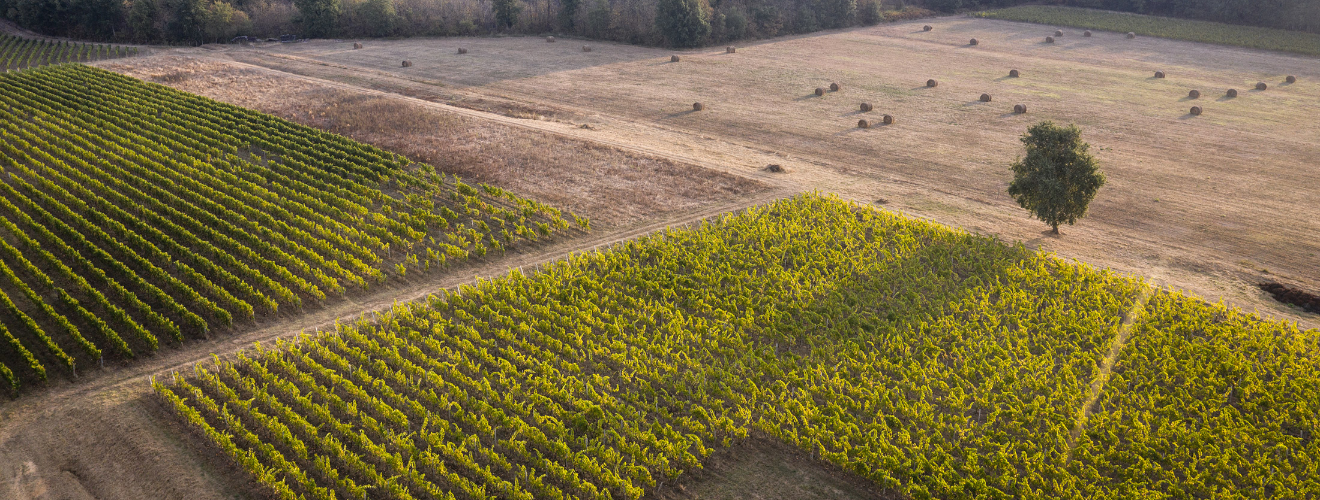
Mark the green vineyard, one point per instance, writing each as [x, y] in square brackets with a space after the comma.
[134, 214]
[21, 53]
[934, 363]
[1165, 27]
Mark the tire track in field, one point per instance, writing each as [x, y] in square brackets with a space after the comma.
[1097, 388]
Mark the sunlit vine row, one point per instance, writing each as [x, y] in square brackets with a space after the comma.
[1207, 402]
[935, 363]
[132, 213]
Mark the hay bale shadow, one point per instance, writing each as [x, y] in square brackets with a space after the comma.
[852, 130]
[1223, 98]
[1187, 116]
[680, 113]
[1010, 113]
[808, 96]
[975, 102]
[854, 113]
[1188, 98]
[920, 87]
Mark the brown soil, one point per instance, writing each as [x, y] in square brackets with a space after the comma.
[1290, 295]
[761, 467]
[1212, 205]
[104, 436]
[612, 187]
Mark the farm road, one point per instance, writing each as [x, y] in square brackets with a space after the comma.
[103, 437]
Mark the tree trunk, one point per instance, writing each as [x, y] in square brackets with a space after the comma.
[1056, 229]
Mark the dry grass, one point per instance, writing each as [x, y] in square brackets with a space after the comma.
[1210, 204]
[610, 186]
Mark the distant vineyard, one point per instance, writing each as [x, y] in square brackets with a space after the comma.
[20, 53]
[131, 212]
[935, 363]
[1165, 27]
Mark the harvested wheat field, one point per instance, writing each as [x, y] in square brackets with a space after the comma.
[1213, 203]
[610, 186]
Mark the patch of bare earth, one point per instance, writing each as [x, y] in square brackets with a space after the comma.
[764, 468]
[611, 186]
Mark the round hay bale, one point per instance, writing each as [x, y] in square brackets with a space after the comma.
[1049, 39]
[407, 64]
[549, 39]
[1087, 33]
[927, 28]
[1012, 73]
[1231, 93]
[866, 107]
[1019, 108]
[985, 97]
[356, 45]
[462, 50]
[863, 123]
[834, 87]
[696, 106]
[730, 49]
[932, 83]
[820, 91]
[1261, 86]
[1195, 94]
[775, 168]
[1290, 79]
[1058, 32]
[586, 48]
[673, 58]
[1131, 35]
[1196, 111]
[887, 120]
[1159, 74]
[973, 42]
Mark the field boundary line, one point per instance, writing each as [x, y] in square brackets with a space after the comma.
[1097, 387]
[63, 392]
[554, 128]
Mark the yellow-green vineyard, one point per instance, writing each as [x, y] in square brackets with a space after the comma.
[133, 214]
[934, 363]
[21, 53]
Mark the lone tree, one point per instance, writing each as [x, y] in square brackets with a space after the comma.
[1058, 178]
[682, 22]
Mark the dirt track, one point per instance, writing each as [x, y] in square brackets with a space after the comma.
[1211, 204]
[1207, 204]
[102, 437]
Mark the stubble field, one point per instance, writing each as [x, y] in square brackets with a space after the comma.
[1214, 203]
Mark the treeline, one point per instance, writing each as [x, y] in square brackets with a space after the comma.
[646, 22]
[1301, 15]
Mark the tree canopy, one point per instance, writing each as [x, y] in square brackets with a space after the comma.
[1058, 178]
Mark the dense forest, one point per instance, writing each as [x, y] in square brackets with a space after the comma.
[649, 22]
